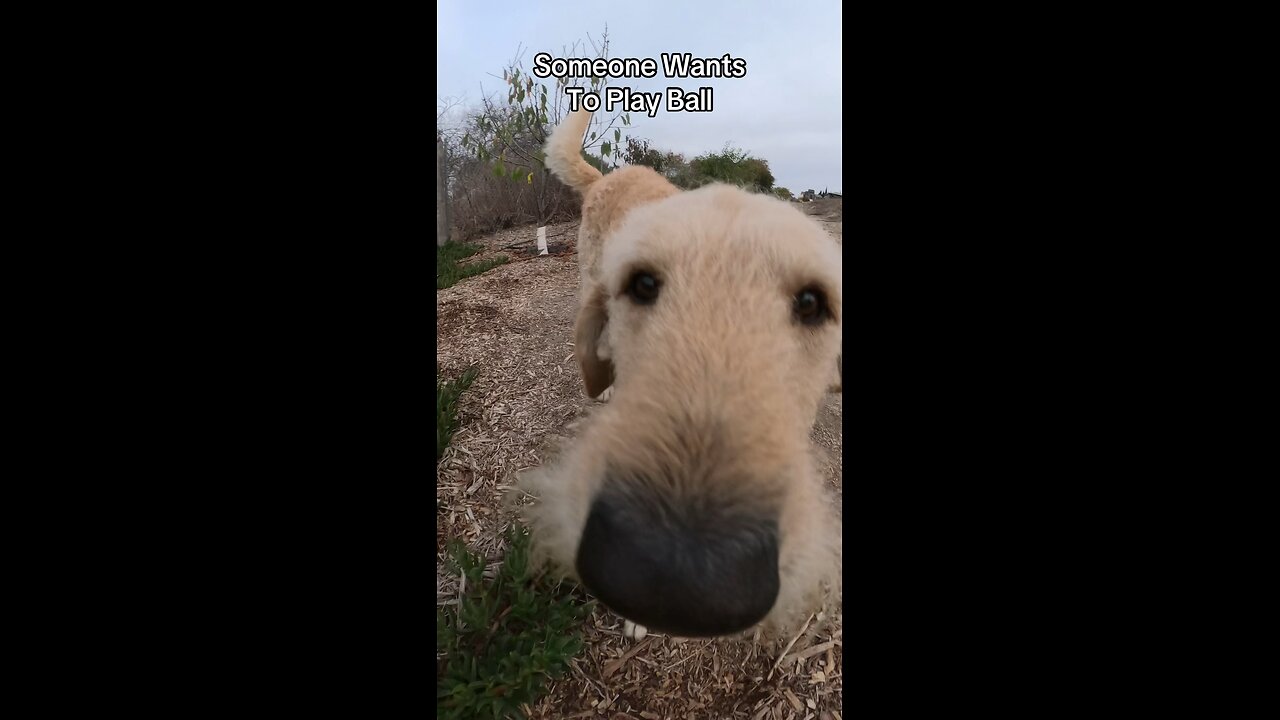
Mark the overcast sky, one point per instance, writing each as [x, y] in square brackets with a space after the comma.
[785, 110]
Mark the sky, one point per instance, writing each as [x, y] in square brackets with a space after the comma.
[786, 109]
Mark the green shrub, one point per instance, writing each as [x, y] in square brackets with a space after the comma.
[447, 407]
[735, 167]
[508, 637]
[639, 152]
[449, 268]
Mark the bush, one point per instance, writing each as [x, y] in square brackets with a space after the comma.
[480, 202]
[597, 162]
[447, 407]
[639, 152]
[731, 165]
[736, 167]
[449, 268]
[498, 648]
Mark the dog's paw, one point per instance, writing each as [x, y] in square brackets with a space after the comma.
[633, 631]
[604, 396]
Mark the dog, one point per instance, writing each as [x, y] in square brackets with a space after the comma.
[692, 502]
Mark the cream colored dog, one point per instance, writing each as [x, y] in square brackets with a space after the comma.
[692, 502]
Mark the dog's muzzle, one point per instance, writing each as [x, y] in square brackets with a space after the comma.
[684, 567]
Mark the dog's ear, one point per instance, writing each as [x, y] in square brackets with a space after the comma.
[597, 372]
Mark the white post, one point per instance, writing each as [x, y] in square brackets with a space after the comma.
[542, 240]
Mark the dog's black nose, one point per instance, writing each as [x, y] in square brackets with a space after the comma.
[686, 572]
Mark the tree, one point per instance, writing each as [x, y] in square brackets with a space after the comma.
[442, 196]
[449, 132]
[511, 136]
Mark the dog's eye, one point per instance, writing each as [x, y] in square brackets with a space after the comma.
[811, 306]
[643, 288]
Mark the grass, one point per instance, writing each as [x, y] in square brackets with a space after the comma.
[509, 635]
[498, 648]
[449, 266]
[447, 407]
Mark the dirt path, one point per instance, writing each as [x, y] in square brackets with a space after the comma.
[515, 322]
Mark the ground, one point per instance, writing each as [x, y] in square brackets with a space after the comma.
[515, 323]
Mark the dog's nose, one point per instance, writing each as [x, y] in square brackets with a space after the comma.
[691, 573]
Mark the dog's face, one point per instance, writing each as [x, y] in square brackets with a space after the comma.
[691, 503]
[711, 287]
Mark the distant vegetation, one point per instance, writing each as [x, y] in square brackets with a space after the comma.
[494, 159]
[730, 165]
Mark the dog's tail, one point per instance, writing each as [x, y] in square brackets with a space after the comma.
[564, 152]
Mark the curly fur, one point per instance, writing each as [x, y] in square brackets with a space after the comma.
[717, 379]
